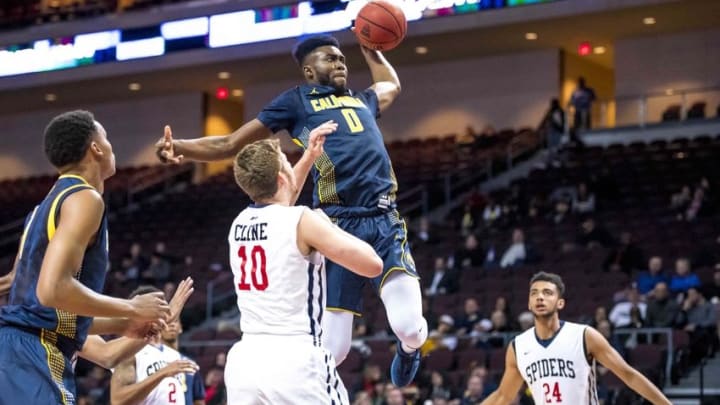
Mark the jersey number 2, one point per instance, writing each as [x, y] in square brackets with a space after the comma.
[555, 393]
[258, 273]
[171, 394]
[353, 120]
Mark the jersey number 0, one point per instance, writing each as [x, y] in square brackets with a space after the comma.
[258, 273]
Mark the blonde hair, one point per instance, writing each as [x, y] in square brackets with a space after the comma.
[256, 168]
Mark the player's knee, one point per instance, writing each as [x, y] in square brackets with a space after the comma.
[413, 335]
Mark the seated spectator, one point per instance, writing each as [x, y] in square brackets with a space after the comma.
[599, 316]
[683, 279]
[474, 393]
[501, 304]
[440, 388]
[526, 320]
[696, 205]
[444, 280]
[593, 235]
[584, 201]
[471, 316]
[467, 222]
[662, 311]
[626, 257]
[371, 376]
[701, 322]
[712, 290]
[360, 332]
[518, 252]
[470, 255]
[500, 325]
[492, 213]
[214, 387]
[680, 201]
[394, 396]
[158, 271]
[606, 329]
[442, 337]
[423, 234]
[647, 280]
[623, 312]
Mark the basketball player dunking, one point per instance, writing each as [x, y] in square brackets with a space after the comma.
[557, 358]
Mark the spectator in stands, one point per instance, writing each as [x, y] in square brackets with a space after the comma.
[554, 125]
[712, 291]
[360, 332]
[470, 318]
[474, 393]
[444, 280]
[696, 205]
[440, 388]
[701, 324]
[138, 259]
[581, 100]
[371, 377]
[599, 316]
[626, 257]
[128, 275]
[526, 320]
[362, 398]
[628, 313]
[492, 213]
[467, 222]
[584, 200]
[423, 234]
[518, 252]
[502, 305]
[606, 329]
[470, 255]
[214, 387]
[500, 325]
[684, 278]
[593, 235]
[680, 201]
[394, 396]
[662, 311]
[647, 280]
[158, 272]
[537, 206]
[441, 338]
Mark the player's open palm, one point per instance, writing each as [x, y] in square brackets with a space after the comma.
[150, 307]
[164, 148]
[180, 367]
[316, 140]
[182, 293]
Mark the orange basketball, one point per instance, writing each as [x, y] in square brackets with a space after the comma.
[380, 25]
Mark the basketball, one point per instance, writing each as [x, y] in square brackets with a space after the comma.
[380, 25]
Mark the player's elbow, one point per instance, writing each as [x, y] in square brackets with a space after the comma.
[46, 294]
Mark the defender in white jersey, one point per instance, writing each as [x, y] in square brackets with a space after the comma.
[154, 376]
[276, 254]
[556, 359]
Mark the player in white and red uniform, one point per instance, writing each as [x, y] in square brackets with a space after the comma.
[556, 359]
[276, 254]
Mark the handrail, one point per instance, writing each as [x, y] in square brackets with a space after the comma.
[420, 202]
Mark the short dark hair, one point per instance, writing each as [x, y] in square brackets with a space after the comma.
[307, 45]
[143, 289]
[551, 278]
[68, 136]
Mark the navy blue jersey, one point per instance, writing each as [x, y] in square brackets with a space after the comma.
[354, 175]
[194, 385]
[67, 331]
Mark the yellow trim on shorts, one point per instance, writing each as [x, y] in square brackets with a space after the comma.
[392, 270]
[336, 309]
[51, 226]
[55, 361]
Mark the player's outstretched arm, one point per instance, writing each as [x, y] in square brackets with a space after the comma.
[7, 280]
[80, 217]
[316, 232]
[386, 82]
[510, 384]
[108, 354]
[600, 349]
[209, 148]
[125, 391]
[314, 149]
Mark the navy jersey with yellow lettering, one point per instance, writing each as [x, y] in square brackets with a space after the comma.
[67, 331]
[354, 176]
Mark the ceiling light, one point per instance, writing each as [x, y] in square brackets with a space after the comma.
[134, 86]
[421, 50]
[50, 97]
[531, 36]
[599, 50]
[237, 93]
[649, 20]
[669, 92]
[223, 75]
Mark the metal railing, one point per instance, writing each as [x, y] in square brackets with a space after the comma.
[649, 333]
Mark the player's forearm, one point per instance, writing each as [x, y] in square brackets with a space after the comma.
[301, 169]
[70, 295]
[108, 326]
[109, 354]
[6, 282]
[496, 398]
[645, 388]
[204, 149]
[134, 393]
[380, 69]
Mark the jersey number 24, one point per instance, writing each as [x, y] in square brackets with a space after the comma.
[258, 273]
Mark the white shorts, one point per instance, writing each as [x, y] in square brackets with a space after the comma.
[272, 369]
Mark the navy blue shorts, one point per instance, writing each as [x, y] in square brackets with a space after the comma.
[33, 370]
[387, 234]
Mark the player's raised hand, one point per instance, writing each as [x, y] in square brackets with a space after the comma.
[179, 367]
[164, 148]
[316, 140]
[137, 329]
[150, 307]
[182, 293]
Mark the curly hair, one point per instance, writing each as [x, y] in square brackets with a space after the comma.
[68, 136]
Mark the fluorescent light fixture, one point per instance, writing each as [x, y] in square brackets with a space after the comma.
[241, 28]
[97, 41]
[599, 50]
[223, 75]
[649, 20]
[421, 50]
[142, 48]
[43, 45]
[134, 86]
[531, 36]
[50, 97]
[237, 93]
[191, 27]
